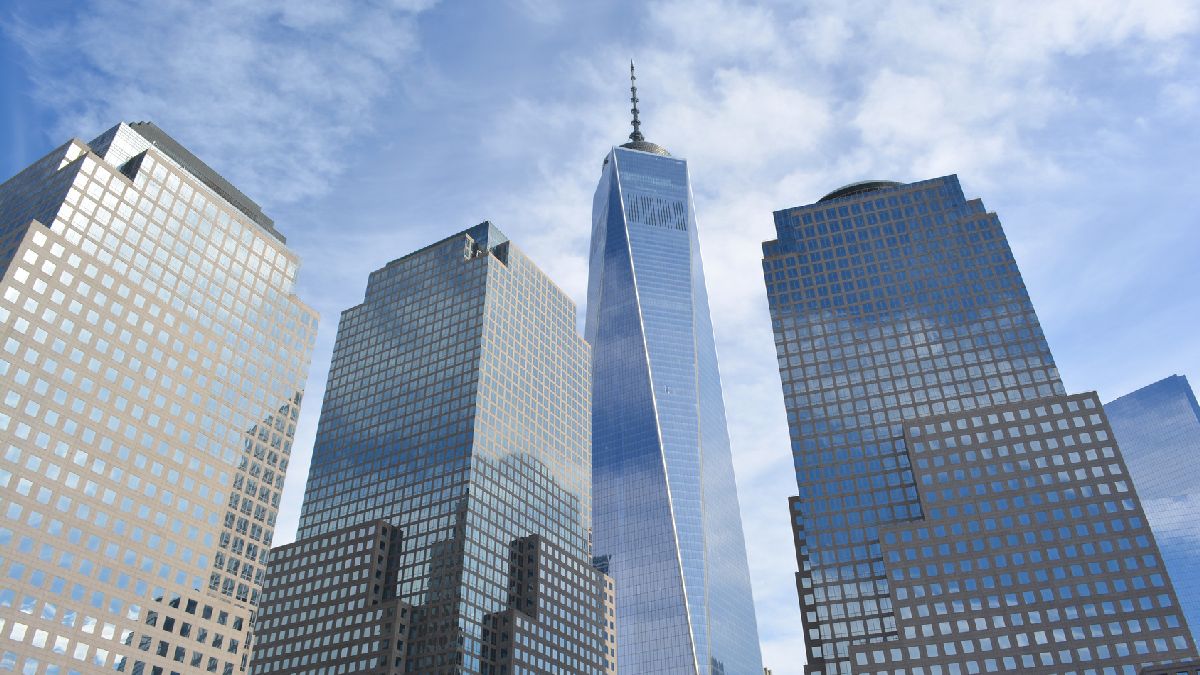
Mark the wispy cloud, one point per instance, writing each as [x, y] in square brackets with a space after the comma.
[268, 92]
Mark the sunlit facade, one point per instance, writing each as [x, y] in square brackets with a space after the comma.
[152, 367]
[667, 520]
[957, 511]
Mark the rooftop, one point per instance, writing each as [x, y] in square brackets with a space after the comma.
[859, 188]
[205, 174]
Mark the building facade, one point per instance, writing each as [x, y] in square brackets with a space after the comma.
[153, 362]
[667, 519]
[957, 512]
[328, 605]
[1158, 427]
[457, 412]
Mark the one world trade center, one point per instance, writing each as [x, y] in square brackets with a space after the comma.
[665, 507]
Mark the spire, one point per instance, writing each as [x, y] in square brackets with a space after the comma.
[636, 136]
[636, 140]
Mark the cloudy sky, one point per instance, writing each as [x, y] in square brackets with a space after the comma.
[369, 129]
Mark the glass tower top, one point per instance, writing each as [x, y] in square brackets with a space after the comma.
[666, 510]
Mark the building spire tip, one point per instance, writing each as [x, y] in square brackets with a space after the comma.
[636, 136]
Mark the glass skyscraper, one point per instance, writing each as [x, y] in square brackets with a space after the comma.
[957, 511]
[667, 521]
[1158, 427]
[152, 367]
[456, 424]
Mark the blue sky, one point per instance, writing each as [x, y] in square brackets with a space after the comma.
[370, 129]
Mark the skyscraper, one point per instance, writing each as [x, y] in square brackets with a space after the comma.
[667, 517]
[153, 362]
[455, 426]
[1158, 427]
[957, 512]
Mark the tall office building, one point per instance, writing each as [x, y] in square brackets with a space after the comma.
[454, 440]
[957, 512]
[668, 525]
[1158, 427]
[153, 362]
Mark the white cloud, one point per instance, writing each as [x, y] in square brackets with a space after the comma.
[1181, 98]
[822, 38]
[745, 120]
[715, 31]
[266, 92]
[541, 11]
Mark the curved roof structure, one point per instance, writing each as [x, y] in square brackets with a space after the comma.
[858, 188]
[646, 146]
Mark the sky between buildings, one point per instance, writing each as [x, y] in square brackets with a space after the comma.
[369, 129]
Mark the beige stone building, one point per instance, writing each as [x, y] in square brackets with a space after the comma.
[152, 360]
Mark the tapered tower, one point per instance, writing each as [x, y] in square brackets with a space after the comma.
[667, 521]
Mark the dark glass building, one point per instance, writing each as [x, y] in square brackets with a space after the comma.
[1158, 427]
[957, 511]
[667, 518]
[457, 412]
